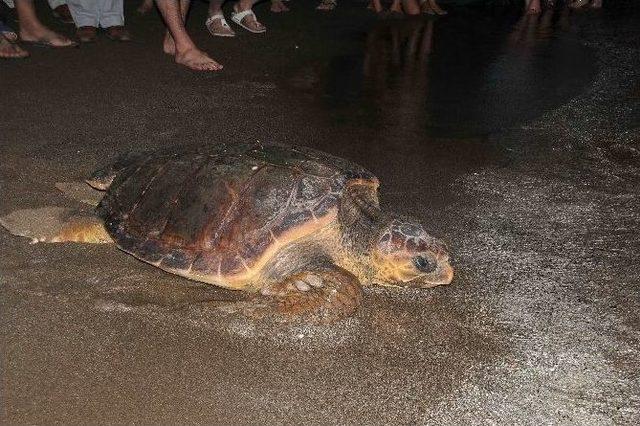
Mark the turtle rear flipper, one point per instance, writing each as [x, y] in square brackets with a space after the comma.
[56, 225]
[81, 192]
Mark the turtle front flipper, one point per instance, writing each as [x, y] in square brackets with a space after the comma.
[324, 295]
[56, 225]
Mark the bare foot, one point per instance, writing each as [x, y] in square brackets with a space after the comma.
[44, 35]
[10, 50]
[534, 7]
[278, 6]
[197, 60]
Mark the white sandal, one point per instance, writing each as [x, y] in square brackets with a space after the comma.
[237, 17]
[327, 5]
[578, 4]
[208, 23]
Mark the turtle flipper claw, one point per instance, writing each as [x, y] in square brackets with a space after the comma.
[319, 296]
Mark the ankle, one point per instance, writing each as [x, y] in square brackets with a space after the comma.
[184, 47]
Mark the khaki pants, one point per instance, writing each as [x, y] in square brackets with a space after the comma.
[97, 13]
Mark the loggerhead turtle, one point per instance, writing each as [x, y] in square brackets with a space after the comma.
[301, 227]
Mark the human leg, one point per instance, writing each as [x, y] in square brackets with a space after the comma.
[177, 42]
[85, 12]
[33, 31]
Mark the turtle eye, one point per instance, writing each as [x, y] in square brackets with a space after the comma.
[424, 264]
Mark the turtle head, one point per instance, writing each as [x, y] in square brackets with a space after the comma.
[406, 255]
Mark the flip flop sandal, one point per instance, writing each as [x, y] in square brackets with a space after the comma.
[48, 45]
[239, 16]
[24, 55]
[209, 24]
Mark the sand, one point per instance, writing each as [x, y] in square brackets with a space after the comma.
[540, 210]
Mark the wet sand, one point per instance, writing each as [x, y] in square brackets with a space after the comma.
[535, 189]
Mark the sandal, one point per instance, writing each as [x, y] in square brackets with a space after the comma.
[224, 31]
[7, 32]
[238, 17]
[327, 5]
[578, 4]
[10, 50]
[48, 44]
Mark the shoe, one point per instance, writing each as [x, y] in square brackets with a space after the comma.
[87, 34]
[118, 33]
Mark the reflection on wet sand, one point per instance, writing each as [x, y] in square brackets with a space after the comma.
[531, 28]
[459, 76]
[396, 72]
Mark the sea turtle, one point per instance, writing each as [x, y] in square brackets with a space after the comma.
[296, 226]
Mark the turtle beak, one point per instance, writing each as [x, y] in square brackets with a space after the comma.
[443, 275]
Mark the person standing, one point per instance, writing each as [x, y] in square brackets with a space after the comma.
[89, 15]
